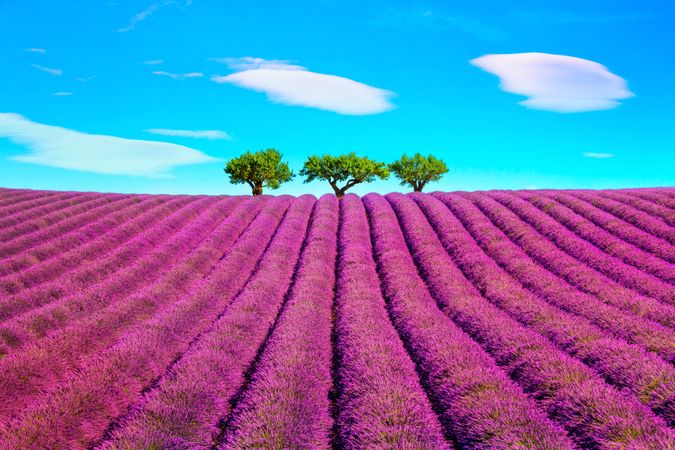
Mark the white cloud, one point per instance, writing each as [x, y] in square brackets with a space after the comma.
[35, 50]
[154, 62]
[62, 94]
[149, 11]
[598, 155]
[294, 85]
[178, 76]
[48, 70]
[109, 155]
[195, 134]
[556, 82]
[85, 79]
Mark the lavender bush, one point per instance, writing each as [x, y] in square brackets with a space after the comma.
[531, 319]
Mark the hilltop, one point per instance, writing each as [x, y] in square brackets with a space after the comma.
[542, 319]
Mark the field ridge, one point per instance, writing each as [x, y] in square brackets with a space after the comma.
[497, 319]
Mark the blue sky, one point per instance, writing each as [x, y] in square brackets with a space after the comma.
[154, 96]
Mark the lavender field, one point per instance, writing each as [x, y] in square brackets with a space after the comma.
[500, 319]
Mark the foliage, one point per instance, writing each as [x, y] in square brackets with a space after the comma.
[260, 169]
[418, 170]
[349, 168]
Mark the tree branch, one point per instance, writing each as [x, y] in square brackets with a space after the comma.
[351, 183]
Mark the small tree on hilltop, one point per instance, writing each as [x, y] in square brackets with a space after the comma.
[418, 170]
[350, 169]
[260, 169]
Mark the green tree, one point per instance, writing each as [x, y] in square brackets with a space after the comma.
[350, 169]
[260, 169]
[418, 170]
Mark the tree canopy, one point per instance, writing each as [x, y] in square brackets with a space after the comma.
[259, 169]
[349, 169]
[418, 170]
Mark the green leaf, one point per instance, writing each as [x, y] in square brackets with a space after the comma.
[260, 169]
[349, 169]
[418, 170]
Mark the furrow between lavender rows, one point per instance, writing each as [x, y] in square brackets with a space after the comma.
[552, 274]
[35, 218]
[137, 293]
[102, 206]
[594, 413]
[620, 228]
[45, 362]
[208, 375]
[13, 192]
[129, 262]
[577, 261]
[287, 400]
[635, 217]
[108, 383]
[480, 406]
[33, 199]
[602, 239]
[628, 366]
[380, 402]
[98, 238]
[15, 214]
[71, 210]
[13, 196]
[651, 208]
[657, 196]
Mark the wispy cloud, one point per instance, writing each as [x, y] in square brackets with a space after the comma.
[48, 70]
[35, 50]
[153, 62]
[195, 134]
[85, 79]
[556, 83]
[178, 76]
[598, 155]
[110, 155]
[294, 85]
[149, 11]
[250, 63]
[62, 94]
[424, 18]
[566, 17]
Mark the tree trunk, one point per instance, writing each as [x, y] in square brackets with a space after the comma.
[418, 185]
[339, 192]
[257, 189]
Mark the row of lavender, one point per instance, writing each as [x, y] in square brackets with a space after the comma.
[123, 346]
[455, 321]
